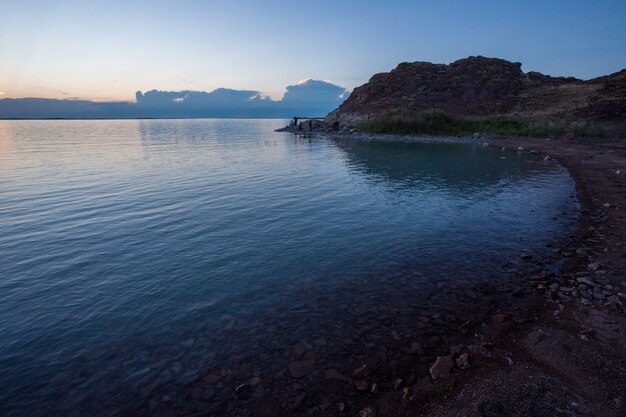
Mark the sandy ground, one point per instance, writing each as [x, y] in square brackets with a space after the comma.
[571, 360]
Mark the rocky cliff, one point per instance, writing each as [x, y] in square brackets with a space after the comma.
[479, 86]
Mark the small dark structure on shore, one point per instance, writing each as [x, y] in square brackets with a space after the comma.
[296, 124]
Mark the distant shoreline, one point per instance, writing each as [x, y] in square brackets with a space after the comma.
[139, 118]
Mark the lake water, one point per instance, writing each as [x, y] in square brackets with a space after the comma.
[138, 256]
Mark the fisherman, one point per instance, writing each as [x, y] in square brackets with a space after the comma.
[310, 125]
[295, 121]
[336, 126]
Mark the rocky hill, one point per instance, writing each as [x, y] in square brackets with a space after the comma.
[479, 86]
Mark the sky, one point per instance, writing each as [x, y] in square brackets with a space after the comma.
[106, 50]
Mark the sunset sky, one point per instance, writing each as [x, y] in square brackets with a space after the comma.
[105, 51]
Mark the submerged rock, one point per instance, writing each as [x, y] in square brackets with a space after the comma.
[334, 374]
[298, 369]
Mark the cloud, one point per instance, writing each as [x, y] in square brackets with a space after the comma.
[308, 97]
[222, 102]
[222, 98]
[158, 98]
[316, 93]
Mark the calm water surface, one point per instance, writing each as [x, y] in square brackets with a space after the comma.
[125, 243]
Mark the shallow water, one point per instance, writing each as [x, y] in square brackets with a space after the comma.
[127, 244]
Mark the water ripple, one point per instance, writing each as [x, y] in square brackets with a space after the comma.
[125, 236]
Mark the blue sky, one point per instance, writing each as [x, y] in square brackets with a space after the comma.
[105, 50]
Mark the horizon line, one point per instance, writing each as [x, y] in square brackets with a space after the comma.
[152, 118]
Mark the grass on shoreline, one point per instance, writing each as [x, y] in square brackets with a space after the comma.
[437, 123]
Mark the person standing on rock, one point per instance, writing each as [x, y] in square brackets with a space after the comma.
[310, 125]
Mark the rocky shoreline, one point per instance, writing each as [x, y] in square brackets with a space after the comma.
[541, 334]
[544, 339]
[565, 355]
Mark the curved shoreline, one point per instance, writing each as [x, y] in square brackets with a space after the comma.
[575, 331]
[515, 338]
[523, 343]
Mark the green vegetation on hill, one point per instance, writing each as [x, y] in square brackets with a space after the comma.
[436, 122]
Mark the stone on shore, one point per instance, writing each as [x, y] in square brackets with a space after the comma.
[367, 412]
[463, 361]
[441, 368]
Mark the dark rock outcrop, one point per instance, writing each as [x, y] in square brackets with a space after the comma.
[479, 86]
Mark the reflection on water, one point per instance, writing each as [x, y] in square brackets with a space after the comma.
[455, 168]
[138, 255]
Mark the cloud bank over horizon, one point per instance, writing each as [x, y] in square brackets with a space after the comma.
[309, 98]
